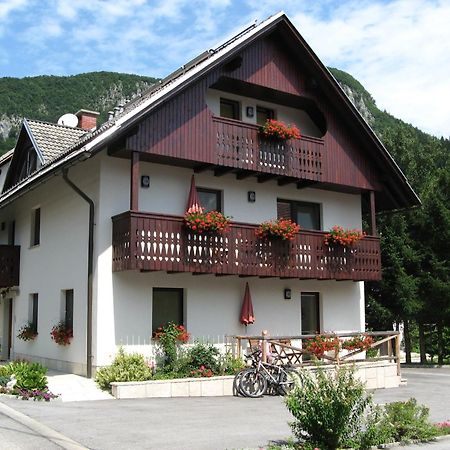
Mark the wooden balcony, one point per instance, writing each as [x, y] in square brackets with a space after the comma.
[239, 145]
[9, 265]
[152, 242]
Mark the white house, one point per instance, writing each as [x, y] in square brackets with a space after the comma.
[91, 219]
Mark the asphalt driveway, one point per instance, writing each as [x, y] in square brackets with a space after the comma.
[214, 423]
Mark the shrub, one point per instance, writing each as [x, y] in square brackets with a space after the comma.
[203, 355]
[229, 365]
[125, 367]
[409, 421]
[28, 375]
[328, 408]
[169, 335]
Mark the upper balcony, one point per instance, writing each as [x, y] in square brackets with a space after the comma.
[153, 242]
[239, 145]
[9, 265]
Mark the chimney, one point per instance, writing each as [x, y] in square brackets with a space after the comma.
[87, 120]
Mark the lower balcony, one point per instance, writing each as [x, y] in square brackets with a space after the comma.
[151, 242]
[9, 265]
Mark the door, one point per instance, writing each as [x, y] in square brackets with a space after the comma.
[310, 310]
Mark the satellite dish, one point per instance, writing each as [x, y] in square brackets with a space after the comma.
[69, 120]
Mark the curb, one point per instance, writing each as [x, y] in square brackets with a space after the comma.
[413, 442]
[43, 430]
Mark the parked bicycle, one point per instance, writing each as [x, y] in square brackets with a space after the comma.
[263, 377]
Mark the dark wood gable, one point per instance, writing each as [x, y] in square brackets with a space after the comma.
[278, 67]
[25, 160]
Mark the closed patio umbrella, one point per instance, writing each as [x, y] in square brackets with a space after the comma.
[247, 315]
[193, 204]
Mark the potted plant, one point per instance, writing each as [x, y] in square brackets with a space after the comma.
[360, 342]
[61, 333]
[320, 345]
[338, 236]
[276, 129]
[284, 229]
[27, 332]
[203, 222]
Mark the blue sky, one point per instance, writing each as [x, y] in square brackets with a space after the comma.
[398, 49]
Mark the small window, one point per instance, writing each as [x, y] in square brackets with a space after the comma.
[68, 308]
[230, 109]
[306, 214]
[167, 307]
[310, 309]
[210, 199]
[34, 305]
[263, 114]
[12, 233]
[36, 227]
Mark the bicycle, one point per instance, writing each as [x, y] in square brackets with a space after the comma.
[262, 377]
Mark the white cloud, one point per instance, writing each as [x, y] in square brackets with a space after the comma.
[400, 51]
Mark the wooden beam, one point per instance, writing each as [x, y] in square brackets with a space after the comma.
[222, 171]
[243, 174]
[286, 180]
[373, 224]
[134, 182]
[305, 183]
[266, 177]
[202, 167]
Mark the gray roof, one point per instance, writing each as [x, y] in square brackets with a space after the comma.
[52, 139]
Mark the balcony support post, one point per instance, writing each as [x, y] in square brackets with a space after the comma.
[134, 182]
[373, 225]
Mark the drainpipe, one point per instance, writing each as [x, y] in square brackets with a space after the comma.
[90, 270]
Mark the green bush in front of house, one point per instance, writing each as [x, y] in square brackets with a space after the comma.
[28, 375]
[125, 367]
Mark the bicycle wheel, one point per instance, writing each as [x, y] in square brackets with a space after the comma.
[236, 383]
[252, 383]
[289, 378]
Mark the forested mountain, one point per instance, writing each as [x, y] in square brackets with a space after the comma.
[49, 97]
[415, 290]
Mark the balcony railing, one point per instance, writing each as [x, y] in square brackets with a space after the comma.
[152, 242]
[9, 265]
[240, 145]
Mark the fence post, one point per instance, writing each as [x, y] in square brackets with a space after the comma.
[238, 340]
[263, 346]
[397, 353]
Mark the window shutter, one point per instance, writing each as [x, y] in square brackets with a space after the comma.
[283, 210]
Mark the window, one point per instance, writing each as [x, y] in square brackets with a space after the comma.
[263, 114]
[167, 307]
[36, 227]
[12, 233]
[33, 318]
[210, 199]
[310, 310]
[68, 308]
[230, 109]
[307, 215]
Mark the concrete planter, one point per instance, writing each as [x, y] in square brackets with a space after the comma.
[182, 387]
[376, 375]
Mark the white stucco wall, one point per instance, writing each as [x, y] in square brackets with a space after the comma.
[58, 263]
[169, 190]
[284, 113]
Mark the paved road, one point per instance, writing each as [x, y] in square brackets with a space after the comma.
[218, 423]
